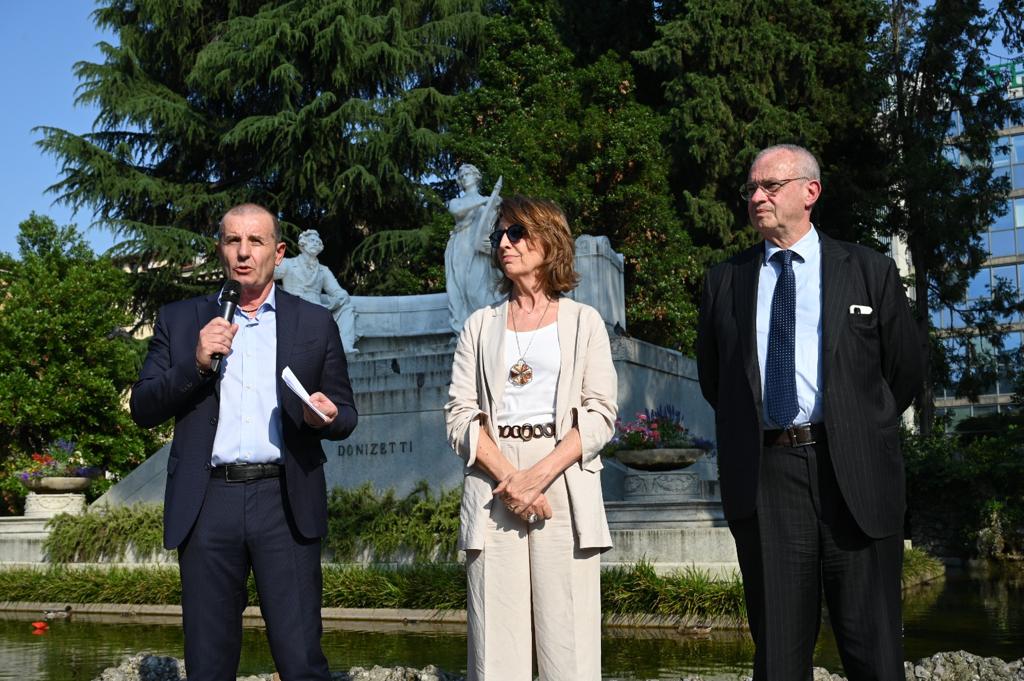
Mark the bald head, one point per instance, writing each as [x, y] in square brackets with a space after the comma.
[803, 161]
[249, 210]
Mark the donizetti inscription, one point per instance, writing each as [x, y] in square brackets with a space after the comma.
[375, 448]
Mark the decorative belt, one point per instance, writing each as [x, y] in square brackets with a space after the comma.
[795, 436]
[527, 431]
[243, 472]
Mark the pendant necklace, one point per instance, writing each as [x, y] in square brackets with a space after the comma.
[521, 373]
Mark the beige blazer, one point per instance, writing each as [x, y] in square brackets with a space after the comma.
[585, 396]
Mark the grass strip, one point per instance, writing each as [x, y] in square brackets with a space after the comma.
[625, 591]
[690, 594]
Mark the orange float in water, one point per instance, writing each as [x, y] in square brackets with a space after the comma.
[40, 627]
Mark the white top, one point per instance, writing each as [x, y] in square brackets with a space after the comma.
[535, 401]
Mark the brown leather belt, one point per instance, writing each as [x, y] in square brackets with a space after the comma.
[243, 472]
[527, 431]
[795, 436]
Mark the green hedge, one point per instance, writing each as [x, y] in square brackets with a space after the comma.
[420, 526]
[964, 494]
[388, 528]
[106, 534]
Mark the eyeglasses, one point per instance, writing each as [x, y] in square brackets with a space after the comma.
[770, 187]
[516, 233]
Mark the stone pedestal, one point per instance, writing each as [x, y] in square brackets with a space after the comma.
[671, 519]
[49, 505]
[666, 487]
[22, 540]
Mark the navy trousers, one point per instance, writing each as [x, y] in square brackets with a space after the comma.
[243, 526]
[801, 541]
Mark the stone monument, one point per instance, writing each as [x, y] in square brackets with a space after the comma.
[470, 279]
[306, 278]
[401, 377]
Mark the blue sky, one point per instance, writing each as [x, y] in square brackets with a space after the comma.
[39, 44]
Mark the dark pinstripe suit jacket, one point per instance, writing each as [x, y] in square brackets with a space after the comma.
[170, 386]
[871, 370]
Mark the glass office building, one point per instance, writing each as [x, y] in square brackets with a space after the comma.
[1004, 240]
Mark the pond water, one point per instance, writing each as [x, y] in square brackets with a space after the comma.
[981, 612]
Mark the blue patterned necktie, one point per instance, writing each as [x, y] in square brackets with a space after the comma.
[780, 365]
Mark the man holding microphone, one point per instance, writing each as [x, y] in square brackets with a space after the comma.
[245, 480]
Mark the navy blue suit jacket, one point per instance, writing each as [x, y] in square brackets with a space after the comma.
[871, 370]
[170, 386]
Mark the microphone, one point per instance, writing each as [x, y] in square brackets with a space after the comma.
[229, 296]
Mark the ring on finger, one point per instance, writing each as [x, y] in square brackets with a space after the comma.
[532, 518]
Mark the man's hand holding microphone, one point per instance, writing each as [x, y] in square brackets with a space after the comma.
[215, 343]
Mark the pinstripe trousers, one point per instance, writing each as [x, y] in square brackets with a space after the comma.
[801, 541]
[532, 589]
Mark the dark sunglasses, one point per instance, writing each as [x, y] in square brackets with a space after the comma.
[516, 232]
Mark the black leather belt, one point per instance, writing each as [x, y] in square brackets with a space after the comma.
[527, 431]
[243, 472]
[795, 436]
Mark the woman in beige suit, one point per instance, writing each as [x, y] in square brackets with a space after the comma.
[533, 400]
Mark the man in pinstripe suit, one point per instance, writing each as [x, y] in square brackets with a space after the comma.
[808, 353]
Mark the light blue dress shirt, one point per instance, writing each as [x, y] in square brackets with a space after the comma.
[249, 424]
[807, 272]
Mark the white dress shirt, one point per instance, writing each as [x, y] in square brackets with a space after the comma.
[249, 424]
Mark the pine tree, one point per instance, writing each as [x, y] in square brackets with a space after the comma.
[329, 112]
[742, 75]
[578, 136]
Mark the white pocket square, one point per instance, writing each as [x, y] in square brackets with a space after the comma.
[860, 309]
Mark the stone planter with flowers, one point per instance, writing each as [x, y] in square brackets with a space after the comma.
[657, 448]
[56, 479]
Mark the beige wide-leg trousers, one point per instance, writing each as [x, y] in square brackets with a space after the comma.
[533, 584]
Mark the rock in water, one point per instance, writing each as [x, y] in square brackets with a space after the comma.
[428, 673]
[960, 665]
[146, 667]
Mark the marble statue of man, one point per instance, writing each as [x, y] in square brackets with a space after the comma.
[470, 280]
[306, 278]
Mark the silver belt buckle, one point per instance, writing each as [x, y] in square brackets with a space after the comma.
[794, 440]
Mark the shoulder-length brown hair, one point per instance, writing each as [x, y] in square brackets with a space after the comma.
[548, 228]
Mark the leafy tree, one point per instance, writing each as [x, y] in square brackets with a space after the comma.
[938, 123]
[327, 111]
[740, 75]
[65, 361]
[577, 135]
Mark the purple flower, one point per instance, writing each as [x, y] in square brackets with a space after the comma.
[67, 446]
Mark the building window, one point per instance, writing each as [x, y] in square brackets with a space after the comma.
[1001, 243]
[1005, 219]
[1018, 149]
[1006, 272]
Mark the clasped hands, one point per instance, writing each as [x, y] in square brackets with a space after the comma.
[216, 337]
[522, 493]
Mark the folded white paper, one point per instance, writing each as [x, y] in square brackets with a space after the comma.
[860, 309]
[292, 382]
